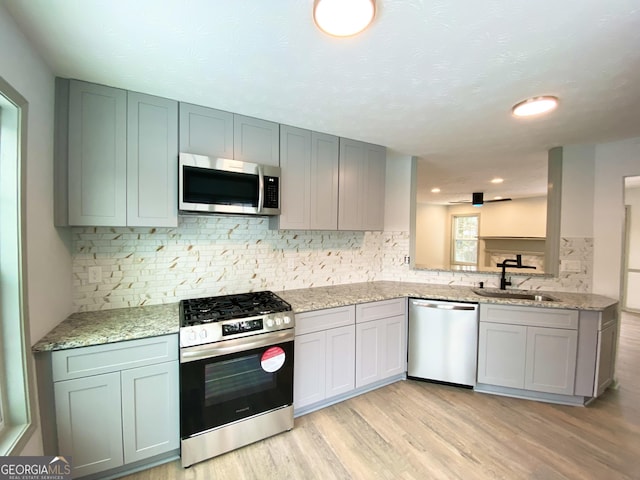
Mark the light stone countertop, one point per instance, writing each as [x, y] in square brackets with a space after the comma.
[108, 326]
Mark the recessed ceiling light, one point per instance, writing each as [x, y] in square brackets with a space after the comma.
[535, 106]
[343, 18]
[497, 198]
[435, 190]
[497, 180]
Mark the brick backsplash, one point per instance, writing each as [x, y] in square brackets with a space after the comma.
[213, 255]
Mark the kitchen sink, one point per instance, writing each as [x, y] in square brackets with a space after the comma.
[514, 295]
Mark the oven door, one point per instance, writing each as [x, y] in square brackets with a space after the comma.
[223, 382]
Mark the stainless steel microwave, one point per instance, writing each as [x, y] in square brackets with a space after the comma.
[222, 185]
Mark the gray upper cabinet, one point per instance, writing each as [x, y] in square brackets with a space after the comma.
[324, 182]
[309, 183]
[215, 133]
[97, 155]
[206, 131]
[152, 161]
[295, 182]
[116, 157]
[256, 140]
[361, 186]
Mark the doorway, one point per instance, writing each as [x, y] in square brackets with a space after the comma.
[631, 249]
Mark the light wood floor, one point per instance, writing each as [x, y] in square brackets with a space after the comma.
[417, 430]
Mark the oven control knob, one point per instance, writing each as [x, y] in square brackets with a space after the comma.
[278, 321]
[287, 320]
[192, 335]
[203, 333]
[269, 322]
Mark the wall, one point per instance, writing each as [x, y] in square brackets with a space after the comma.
[523, 217]
[632, 296]
[48, 258]
[432, 234]
[578, 182]
[613, 161]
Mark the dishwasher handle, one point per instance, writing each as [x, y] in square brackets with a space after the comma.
[443, 306]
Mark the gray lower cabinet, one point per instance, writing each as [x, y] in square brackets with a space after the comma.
[116, 404]
[116, 157]
[528, 348]
[89, 419]
[597, 342]
[361, 186]
[309, 182]
[324, 355]
[381, 340]
[216, 133]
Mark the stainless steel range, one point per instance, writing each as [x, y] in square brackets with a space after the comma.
[236, 372]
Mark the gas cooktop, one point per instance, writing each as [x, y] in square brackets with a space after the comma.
[197, 311]
[212, 319]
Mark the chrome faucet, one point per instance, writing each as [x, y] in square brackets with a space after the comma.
[511, 263]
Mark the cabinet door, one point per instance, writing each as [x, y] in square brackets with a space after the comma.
[206, 131]
[97, 155]
[295, 182]
[501, 354]
[551, 360]
[361, 186]
[256, 140]
[152, 161]
[395, 346]
[352, 158]
[150, 411]
[324, 182]
[340, 360]
[309, 370]
[369, 354]
[606, 358]
[89, 422]
[373, 187]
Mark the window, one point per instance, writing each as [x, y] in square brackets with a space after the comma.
[464, 240]
[15, 361]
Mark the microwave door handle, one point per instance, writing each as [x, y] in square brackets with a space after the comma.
[260, 189]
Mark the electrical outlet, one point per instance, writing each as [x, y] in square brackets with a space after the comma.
[407, 259]
[95, 274]
[571, 266]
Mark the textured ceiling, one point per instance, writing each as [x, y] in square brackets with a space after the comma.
[435, 79]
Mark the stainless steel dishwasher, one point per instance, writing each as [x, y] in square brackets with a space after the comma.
[443, 341]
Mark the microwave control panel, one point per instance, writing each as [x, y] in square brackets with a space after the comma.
[271, 192]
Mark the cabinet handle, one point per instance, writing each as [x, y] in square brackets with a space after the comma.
[444, 306]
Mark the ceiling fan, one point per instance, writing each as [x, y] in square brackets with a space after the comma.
[478, 200]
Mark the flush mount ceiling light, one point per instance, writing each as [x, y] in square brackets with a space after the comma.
[343, 18]
[535, 106]
[497, 180]
[435, 190]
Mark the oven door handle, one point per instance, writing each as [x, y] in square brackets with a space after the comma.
[226, 347]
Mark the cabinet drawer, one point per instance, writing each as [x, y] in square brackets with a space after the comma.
[366, 312]
[318, 320]
[530, 316]
[87, 361]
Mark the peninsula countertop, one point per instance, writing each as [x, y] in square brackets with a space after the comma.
[84, 329]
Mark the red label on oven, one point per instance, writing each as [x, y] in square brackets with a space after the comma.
[272, 359]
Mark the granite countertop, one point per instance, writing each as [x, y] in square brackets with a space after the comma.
[108, 326]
